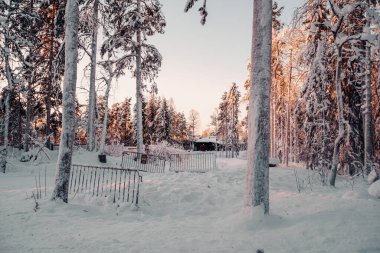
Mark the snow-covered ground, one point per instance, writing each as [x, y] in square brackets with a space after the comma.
[191, 212]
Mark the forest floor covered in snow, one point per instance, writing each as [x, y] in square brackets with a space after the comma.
[190, 212]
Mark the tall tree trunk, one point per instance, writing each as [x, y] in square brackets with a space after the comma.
[105, 120]
[275, 121]
[259, 107]
[139, 128]
[50, 86]
[8, 75]
[341, 129]
[296, 140]
[106, 96]
[19, 122]
[68, 110]
[368, 137]
[91, 99]
[28, 114]
[287, 138]
[28, 100]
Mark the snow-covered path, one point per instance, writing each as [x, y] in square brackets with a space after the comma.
[191, 212]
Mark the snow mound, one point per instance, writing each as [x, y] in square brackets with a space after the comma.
[374, 189]
[372, 177]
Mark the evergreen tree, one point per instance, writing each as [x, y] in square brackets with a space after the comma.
[129, 23]
[165, 120]
[151, 120]
[233, 104]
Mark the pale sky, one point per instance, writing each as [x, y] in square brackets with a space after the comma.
[201, 62]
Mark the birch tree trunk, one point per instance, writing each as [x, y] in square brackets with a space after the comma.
[341, 129]
[259, 107]
[139, 127]
[8, 75]
[68, 111]
[106, 96]
[91, 99]
[105, 120]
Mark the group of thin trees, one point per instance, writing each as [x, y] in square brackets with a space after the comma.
[161, 120]
[42, 41]
[313, 90]
[324, 101]
[225, 122]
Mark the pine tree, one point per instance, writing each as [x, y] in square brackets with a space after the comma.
[51, 61]
[15, 38]
[233, 103]
[151, 120]
[130, 22]
[223, 119]
[165, 121]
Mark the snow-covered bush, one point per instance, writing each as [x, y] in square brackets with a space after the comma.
[164, 149]
[114, 149]
[372, 177]
[37, 155]
[374, 189]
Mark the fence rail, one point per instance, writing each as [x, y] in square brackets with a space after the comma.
[192, 162]
[143, 162]
[120, 184]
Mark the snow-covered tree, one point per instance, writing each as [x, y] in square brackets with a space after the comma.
[129, 25]
[179, 129]
[91, 99]
[259, 107]
[69, 85]
[120, 124]
[194, 123]
[165, 121]
[151, 120]
[15, 38]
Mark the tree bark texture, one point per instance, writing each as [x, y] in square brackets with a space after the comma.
[68, 114]
[259, 107]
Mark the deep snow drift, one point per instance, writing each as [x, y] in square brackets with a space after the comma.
[190, 212]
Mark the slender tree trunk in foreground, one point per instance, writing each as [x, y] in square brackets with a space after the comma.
[106, 96]
[139, 128]
[68, 115]
[91, 103]
[8, 75]
[259, 107]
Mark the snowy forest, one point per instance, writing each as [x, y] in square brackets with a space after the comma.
[288, 159]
